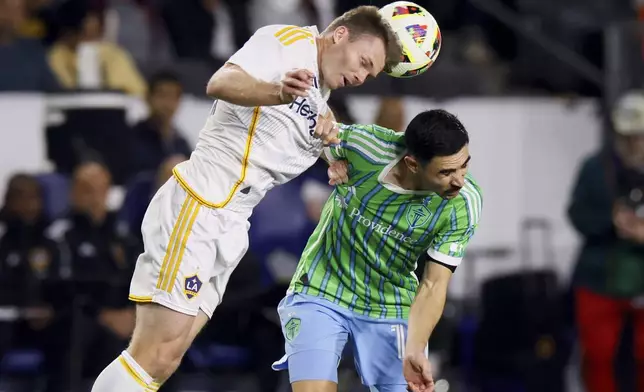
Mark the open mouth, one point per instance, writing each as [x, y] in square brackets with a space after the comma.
[345, 82]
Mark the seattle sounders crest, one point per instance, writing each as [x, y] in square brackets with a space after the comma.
[417, 215]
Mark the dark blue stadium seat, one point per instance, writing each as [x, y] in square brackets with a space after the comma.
[56, 193]
[279, 222]
[218, 355]
[21, 362]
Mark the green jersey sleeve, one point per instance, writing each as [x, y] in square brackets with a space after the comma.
[448, 245]
[366, 146]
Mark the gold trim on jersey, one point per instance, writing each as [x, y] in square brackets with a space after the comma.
[153, 387]
[244, 166]
[291, 34]
[177, 243]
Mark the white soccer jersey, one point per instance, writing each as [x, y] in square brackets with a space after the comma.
[243, 152]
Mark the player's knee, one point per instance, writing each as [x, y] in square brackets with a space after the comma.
[314, 386]
[159, 359]
[161, 338]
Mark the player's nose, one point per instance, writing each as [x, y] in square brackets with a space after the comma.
[458, 181]
[360, 77]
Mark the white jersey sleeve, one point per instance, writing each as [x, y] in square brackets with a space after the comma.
[261, 56]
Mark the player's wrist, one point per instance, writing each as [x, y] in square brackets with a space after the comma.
[415, 347]
[282, 98]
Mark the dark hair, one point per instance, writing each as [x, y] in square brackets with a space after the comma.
[435, 133]
[13, 182]
[71, 14]
[367, 19]
[20, 178]
[162, 77]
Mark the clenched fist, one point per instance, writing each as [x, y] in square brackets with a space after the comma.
[295, 84]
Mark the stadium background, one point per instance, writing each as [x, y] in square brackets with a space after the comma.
[531, 80]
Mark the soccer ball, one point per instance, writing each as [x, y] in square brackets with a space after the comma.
[419, 35]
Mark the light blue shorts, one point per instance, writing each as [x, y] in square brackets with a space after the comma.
[316, 331]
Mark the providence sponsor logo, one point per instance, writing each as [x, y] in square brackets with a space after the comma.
[386, 230]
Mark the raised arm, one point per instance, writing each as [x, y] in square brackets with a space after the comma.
[255, 74]
[424, 314]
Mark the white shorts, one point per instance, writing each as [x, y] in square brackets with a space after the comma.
[190, 251]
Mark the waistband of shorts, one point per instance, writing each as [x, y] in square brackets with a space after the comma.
[224, 207]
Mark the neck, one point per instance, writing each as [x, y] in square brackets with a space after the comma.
[403, 177]
[322, 42]
[97, 215]
[165, 127]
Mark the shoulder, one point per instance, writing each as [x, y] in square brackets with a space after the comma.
[58, 50]
[469, 202]
[374, 131]
[112, 49]
[594, 162]
[377, 136]
[289, 36]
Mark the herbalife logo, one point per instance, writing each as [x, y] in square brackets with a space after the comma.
[386, 230]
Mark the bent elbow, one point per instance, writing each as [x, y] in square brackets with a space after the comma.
[213, 89]
[221, 82]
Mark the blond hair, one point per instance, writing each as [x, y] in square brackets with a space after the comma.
[367, 20]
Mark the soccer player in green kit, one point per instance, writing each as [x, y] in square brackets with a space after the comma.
[408, 196]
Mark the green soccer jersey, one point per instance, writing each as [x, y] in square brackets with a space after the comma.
[363, 253]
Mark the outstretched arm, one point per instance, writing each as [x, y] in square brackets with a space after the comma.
[428, 305]
[256, 76]
[425, 312]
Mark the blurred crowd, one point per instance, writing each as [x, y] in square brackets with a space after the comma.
[65, 270]
[118, 44]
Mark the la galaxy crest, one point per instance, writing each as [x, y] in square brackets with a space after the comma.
[191, 286]
[417, 215]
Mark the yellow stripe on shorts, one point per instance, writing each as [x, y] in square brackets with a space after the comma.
[177, 243]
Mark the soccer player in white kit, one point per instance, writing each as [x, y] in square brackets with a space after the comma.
[260, 133]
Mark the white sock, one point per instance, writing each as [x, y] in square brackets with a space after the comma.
[124, 375]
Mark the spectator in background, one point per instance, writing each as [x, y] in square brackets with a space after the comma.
[156, 137]
[190, 25]
[607, 209]
[28, 262]
[39, 21]
[101, 262]
[81, 29]
[23, 62]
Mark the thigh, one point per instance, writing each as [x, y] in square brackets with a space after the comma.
[156, 326]
[179, 235]
[231, 246]
[638, 330]
[378, 349]
[315, 338]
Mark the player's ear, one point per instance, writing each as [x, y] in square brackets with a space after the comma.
[412, 164]
[340, 33]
